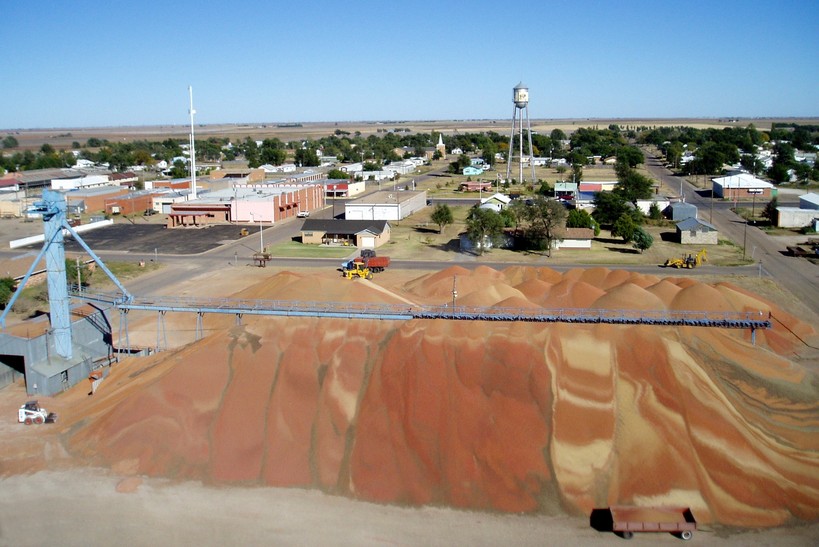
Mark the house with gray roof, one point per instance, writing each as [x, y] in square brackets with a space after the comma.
[693, 231]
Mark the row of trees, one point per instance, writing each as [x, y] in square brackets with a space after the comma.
[536, 223]
[714, 148]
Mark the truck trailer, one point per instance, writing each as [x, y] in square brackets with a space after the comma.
[626, 520]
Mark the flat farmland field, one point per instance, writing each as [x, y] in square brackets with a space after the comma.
[62, 138]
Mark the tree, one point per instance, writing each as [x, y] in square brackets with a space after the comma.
[654, 212]
[633, 186]
[518, 209]
[608, 207]
[673, 154]
[641, 239]
[770, 211]
[488, 153]
[624, 227]
[779, 173]
[547, 222]
[337, 174]
[7, 286]
[578, 218]
[803, 172]
[307, 157]
[10, 142]
[251, 151]
[752, 163]
[630, 155]
[509, 218]
[483, 225]
[442, 216]
[577, 173]
[179, 170]
[457, 166]
[71, 272]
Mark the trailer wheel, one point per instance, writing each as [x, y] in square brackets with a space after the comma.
[686, 535]
[27, 421]
[38, 420]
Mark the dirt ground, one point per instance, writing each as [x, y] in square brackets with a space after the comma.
[88, 506]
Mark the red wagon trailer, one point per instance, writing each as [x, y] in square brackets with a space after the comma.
[626, 520]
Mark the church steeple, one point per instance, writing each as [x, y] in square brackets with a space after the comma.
[441, 147]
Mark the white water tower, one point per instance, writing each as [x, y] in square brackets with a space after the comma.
[520, 96]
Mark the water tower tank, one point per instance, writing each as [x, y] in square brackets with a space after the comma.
[521, 95]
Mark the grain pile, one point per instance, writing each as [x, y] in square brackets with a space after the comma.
[489, 416]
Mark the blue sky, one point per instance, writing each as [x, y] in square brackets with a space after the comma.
[84, 63]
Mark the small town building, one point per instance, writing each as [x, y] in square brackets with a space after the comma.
[403, 167]
[342, 188]
[644, 205]
[386, 205]
[809, 201]
[130, 203]
[597, 186]
[81, 180]
[37, 179]
[247, 203]
[565, 191]
[795, 217]
[9, 185]
[575, 238]
[472, 171]
[475, 186]
[365, 234]
[238, 171]
[163, 200]
[692, 231]
[283, 168]
[680, 211]
[375, 175]
[496, 202]
[172, 184]
[742, 187]
[798, 217]
[95, 198]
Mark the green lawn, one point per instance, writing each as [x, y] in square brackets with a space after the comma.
[294, 249]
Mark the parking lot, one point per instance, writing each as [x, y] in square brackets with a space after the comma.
[150, 238]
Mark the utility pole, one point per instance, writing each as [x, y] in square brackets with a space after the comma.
[193, 148]
[711, 213]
